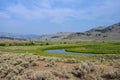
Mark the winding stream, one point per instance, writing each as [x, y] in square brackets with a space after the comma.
[62, 51]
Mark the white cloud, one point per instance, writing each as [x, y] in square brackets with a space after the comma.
[4, 15]
[46, 4]
[21, 11]
[107, 8]
[56, 15]
[43, 10]
[66, 1]
[60, 15]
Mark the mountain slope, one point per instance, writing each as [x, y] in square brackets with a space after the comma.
[16, 36]
[110, 33]
[55, 37]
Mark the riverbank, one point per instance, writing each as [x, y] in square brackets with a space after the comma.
[88, 47]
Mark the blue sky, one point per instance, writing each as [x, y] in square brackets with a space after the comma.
[51, 16]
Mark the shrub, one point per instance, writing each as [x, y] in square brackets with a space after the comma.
[10, 76]
[41, 75]
[4, 70]
[47, 43]
[63, 74]
[71, 60]
[65, 43]
[2, 44]
[25, 64]
[112, 75]
[34, 64]
[94, 78]
[51, 64]
[19, 68]
[83, 69]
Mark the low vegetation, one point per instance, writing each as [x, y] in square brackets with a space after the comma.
[98, 48]
[36, 67]
[30, 62]
[39, 47]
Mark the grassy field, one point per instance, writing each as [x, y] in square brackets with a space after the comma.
[98, 48]
[85, 47]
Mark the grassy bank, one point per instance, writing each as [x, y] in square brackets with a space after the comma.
[85, 47]
[97, 48]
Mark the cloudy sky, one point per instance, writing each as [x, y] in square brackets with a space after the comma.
[51, 16]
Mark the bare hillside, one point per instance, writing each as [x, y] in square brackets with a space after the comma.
[110, 33]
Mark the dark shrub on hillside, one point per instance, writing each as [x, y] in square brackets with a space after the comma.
[65, 43]
[2, 44]
[47, 43]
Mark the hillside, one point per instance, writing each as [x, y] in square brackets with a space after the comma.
[55, 37]
[109, 33]
[18, 36]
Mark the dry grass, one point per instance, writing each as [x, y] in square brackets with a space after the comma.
[36, 67]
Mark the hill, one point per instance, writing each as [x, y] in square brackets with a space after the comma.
[18, 36]
[55, 37]
[109, 33]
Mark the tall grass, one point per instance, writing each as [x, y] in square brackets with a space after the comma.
[98, 48]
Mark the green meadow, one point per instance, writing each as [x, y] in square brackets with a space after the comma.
[37, 47]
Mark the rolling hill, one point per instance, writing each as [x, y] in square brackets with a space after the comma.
[18, 36]
[109, 33]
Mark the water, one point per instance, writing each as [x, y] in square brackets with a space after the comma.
[62, 51]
